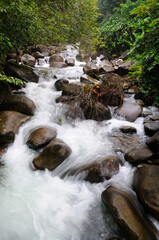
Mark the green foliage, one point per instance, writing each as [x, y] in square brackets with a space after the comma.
[44, 21]
[10, 80]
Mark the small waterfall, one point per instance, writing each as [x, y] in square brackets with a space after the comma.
[44, 205]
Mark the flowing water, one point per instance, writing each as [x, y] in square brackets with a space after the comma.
[44, 205]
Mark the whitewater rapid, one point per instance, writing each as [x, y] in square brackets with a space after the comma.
[44, 205]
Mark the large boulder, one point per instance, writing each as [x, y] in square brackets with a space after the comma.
[128, 216]
[124, 142]
[131, 111]
[70, 62]
[18, 103]
[59, 84]
[91, 69]
[98, 172]
[22, 72]
[52, 155]
[153, 143]
[29, 60]
[137, 156]
[105, 67]
[151, 127]
[72, 89]
[146, 186]
[10, 121]
[41, 137]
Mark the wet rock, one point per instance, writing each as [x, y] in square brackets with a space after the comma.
[52, 155]
[79, 57]
[145, 183]
[5, 90]
[119, 62]
[96, 111]
[153, 143]
[70, 62]
[128, 129]
[56, 58]
[86, 58]
[63, 99]
[148, 101]
[28, 60]
[59, 84]
[124, 143]
[88, 80]
[98, 172]
[138, 156]
[151, 127]
[130, 111]
[106, 67]
[91, 69]
[58, 65]
[126, 213]
[10, 121]
[124, 68]
[22, 72]
[37, 55]
[42, 49]
[41, 137]
[18, 103]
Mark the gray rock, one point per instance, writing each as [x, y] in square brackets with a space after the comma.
[91, 69]
[130, 111]
[59, 84]
[37, 55]
[151, 127]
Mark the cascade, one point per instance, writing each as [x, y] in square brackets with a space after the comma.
[54, 205]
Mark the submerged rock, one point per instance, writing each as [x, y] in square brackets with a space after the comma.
[138, 156]
[18, 103]
[130, 111]
[52, 155]
[41, 137]
[126, 213]
[146, 186]
[10, 121]
[22, 72]
[98, 172]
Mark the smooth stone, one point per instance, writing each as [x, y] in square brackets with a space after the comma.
[138, 156]
[130, 111]
[52, 155]
[128, 216]
[10, 121]
[41, 137]
[153, 143]
[151, 127]
[59, 84]
[146, 186]
[28, 60]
